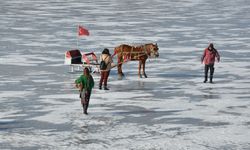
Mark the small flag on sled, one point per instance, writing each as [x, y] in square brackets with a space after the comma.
[82, 31]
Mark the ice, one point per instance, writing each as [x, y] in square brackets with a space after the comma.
[171, 109]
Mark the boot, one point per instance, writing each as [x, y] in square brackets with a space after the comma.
[105, 88]
[85, 109]
[205, 79]
[211, 79]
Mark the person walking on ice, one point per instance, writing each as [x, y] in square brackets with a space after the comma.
[85, 83]
[208, 58]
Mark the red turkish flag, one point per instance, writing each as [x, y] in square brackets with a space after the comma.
[82, 31]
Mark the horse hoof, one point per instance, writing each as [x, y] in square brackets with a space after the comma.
[120, 77]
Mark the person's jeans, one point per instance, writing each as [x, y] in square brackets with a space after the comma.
[207, 68]
[104, 78]
[85, 96]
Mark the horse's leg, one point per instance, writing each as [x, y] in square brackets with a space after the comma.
[119, 67]
[139, 69]
[143, 68]
[120, 70]
[118, 64]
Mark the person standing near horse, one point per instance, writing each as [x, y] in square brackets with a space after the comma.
[85, 83]
[208, 57]
[105, 68]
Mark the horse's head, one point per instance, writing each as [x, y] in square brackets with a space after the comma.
[153, 50]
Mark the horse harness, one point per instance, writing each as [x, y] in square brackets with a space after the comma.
[138, 54]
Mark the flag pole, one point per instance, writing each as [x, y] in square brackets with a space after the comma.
[77, 32]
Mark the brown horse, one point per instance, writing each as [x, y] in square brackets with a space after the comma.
[135, 53]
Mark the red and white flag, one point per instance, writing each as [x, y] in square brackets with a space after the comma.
[82, 31]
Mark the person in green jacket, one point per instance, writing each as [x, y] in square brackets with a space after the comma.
[85, 83]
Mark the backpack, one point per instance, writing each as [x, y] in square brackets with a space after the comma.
[103, 65]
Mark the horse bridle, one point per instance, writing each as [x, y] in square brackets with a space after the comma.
[151, 51]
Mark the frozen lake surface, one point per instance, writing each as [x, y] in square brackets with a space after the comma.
[171, 109]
